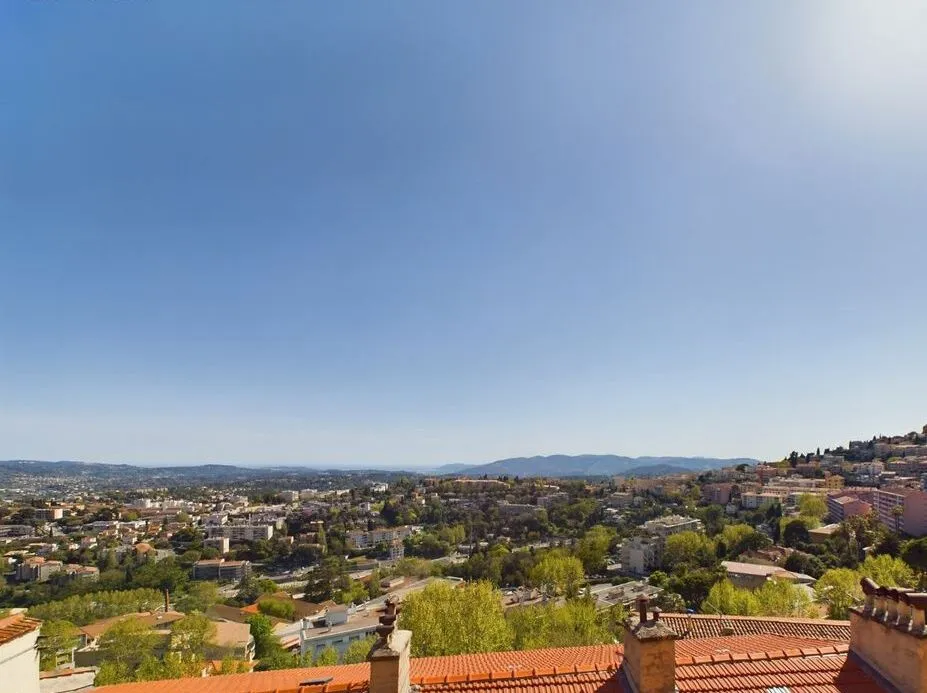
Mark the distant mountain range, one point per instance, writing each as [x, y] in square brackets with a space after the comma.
[549, 466]
[591, 465]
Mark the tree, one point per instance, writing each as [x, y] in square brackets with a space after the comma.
[358, 650]
[795, 533]
[740, 538]
[888, 571]
[279, 608]
[670, 602]
[690, 549]
[694, 585]
[322, 580]
[126, 643]
[327, 657]
[593, 548]
[799, 562]
[165, 575]
[572, 624]
[428, 613]
[658, 578]
[724, 598]
[914, 553]
[783, 598]
[713, 518]
[57, 637]
[198, 597]
[812, 505]
[251, 589]
[266, 644]
[191, 636]
[838, 589]
[558, 573]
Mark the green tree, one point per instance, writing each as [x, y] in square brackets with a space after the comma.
[795, 532]
[739, 538]
[799, 562]
[691, 549]
[57, 637]
[812, 505]
[199, 596]
[593, 548]
[724, 598]
[558, 573]
[267, 647]
[914, 553]
[658, 578]
[165, 575]
[358, 650]
[327, 657]
[783, 598]
[191, 635]
[322, 580]
[428, 613]
[838, 589]
[279, 608]
[888, 571]
[126, 643]
[111, 673]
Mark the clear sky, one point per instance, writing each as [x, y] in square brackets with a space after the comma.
[429, 232]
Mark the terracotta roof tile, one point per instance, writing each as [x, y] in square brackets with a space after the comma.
[752, 664]
[16, 626]
[710, 626]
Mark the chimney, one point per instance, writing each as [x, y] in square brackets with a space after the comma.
[888, 637]
[649, 663]
[389, 656]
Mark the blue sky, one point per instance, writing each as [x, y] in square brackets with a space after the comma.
[419, 232]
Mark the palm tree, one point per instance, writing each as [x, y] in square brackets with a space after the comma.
[897, 513]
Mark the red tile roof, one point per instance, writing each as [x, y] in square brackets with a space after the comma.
[733, 663]
[16, 626]
[710, 626]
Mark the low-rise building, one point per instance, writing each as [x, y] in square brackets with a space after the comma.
[221, 570]
[37, 569]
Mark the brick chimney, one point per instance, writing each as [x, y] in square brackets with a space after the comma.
[649, 663]
[888, 636]
[389, 656]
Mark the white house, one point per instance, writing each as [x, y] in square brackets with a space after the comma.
[19, 657]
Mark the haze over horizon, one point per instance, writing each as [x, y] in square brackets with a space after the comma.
[427, 234]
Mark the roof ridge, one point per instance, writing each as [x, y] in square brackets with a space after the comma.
[791, 653]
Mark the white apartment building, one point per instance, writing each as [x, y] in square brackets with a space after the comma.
[241, 532]
[382, 535]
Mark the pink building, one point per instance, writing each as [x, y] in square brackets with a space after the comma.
[911, 514]
[717, 493]
[841, 506]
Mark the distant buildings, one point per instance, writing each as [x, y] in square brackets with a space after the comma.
[220, 544]
[899, 508]
[718, 494]
[640, 555]
[37, 569]
[237, 533]
[221, 570]
[553, 499]
[902, 509]
[844, 505]
[383, 535]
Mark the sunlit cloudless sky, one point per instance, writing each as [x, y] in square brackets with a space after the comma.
[418, 233]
